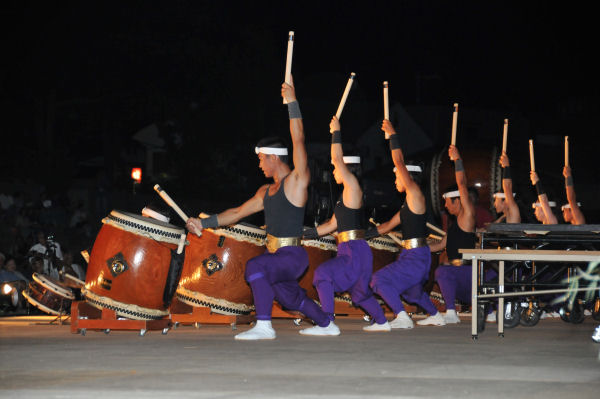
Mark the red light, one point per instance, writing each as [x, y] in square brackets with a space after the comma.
[136, 174]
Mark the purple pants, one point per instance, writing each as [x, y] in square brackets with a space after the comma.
[349, 271]
[275, 276]
[455, 283]
[405, 277]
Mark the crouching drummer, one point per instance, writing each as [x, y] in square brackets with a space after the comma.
[274, 275]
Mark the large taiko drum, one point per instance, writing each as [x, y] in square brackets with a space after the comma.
[49, 295]
[483, 172]
[213, 270]
[385, 251]
[130, 266]
[319, 250]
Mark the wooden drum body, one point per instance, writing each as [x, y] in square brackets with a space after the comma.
[129, 266]
[49, 295]
[319, 250]
[214, 266]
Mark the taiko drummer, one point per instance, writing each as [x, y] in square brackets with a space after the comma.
[274, 274]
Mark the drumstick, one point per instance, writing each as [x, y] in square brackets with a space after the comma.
[454, 123]
[435, 237]
[505, 135]
[566, 150]
[338, 114]
[436, 229]
[386, 105]
[392, 236]
[170, 202]
[531, 158]
[288, 62]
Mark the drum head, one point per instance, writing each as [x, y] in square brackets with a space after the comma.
[53, 285]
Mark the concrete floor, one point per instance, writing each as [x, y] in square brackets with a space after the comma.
[551, 360]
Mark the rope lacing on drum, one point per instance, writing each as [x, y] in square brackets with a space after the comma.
[244, 232]
[150, 230]
[210, 305]
[383, 243]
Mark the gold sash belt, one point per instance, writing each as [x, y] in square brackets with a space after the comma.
[412, 243]
[350, 235]
[274, 243]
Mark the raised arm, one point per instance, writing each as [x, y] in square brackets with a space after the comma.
[576, 213]
[512, 215]
[301, 173]
[414, 197]
[229, 216]
[466, 218]
[352, 194]
[543, 199]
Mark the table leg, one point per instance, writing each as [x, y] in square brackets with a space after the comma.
[474, 273]
[500, 311]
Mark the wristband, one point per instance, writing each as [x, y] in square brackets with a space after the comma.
[569, 181]
[336, 137]
[294, 110]
[210, 222]
[506, 173]
[458, 165]
[539, 188]
[394, 142]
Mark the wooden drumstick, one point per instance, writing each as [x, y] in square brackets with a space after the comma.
[531, 157]
[454, 123]
[386, 104]
[288, 62]
[170, 202]
[436, 229]
[338, 114]
[392, 236]
[505, 135]
[566, 150]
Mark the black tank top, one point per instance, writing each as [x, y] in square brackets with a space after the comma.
[283, 219]
[457, 238]
[413, 225]
[348, 218]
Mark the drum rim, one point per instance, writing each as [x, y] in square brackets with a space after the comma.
[129, 310]
[382, 241]
[145, 227]
[39, 305]
[257, 236]
[327, 240]
[217, 305]
[38, 277]
[70, 276]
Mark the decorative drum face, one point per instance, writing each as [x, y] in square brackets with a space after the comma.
[129, 266]
[213, 271]
[49, 295]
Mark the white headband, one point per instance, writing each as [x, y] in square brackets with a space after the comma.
[551, 204]
[502, 195]
[451, 194]
[271, 150]
[411, 168]
[350, 160]
[568, 206]
[155, 215]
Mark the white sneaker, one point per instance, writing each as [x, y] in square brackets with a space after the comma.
[330, 330]
[491, 317]
[451, 317]
[596, 335]
[435, 320]
[378, 327]
[402, 320]
[587, 312]
[262, 330]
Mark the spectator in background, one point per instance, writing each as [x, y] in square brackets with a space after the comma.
[49, 250]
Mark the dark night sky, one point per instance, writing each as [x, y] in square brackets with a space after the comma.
[84, 71]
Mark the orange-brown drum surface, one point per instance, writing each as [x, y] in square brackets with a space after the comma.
[129, 265]
[385, 251]
[319, 250]
[213, 270]
[49, 295]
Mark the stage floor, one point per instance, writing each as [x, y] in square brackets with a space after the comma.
[551, 360]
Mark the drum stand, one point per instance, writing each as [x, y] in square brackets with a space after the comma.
[84, 317]
[182, 313]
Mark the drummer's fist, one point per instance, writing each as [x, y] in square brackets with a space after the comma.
[504, 160]
[566, 171]
[288, 92]
[387, 127]
[195, 226]
[534, 177]
[334, 125]
[453, 153]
